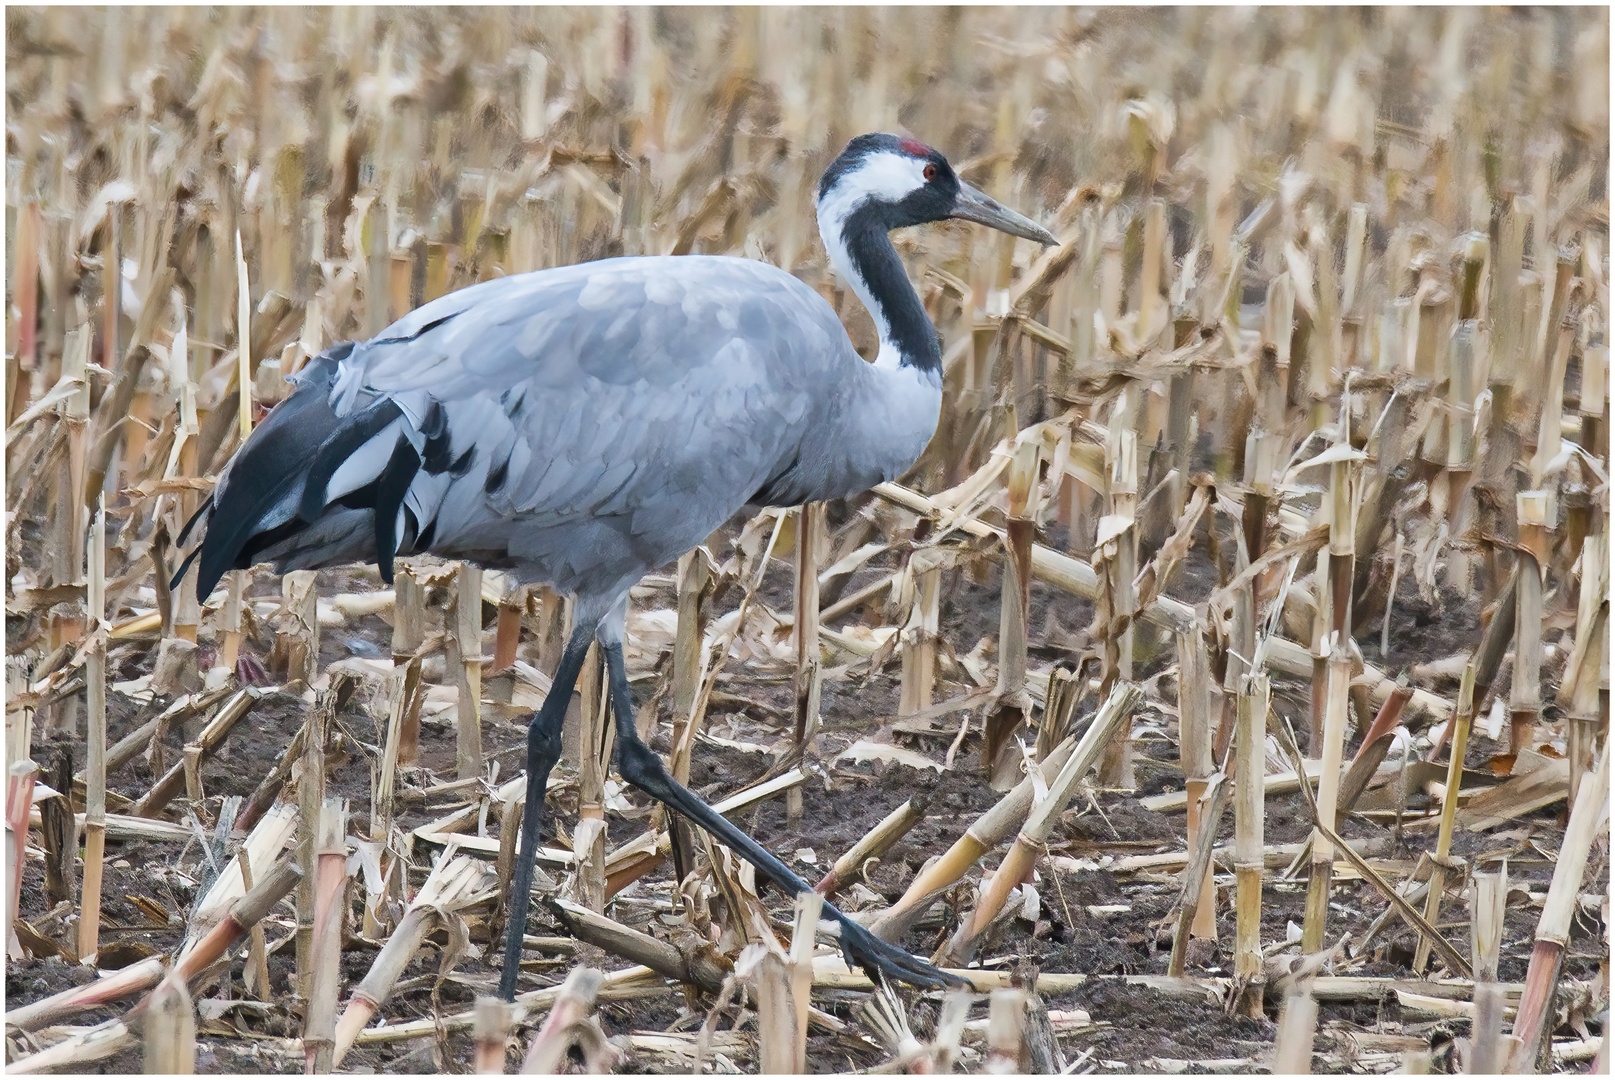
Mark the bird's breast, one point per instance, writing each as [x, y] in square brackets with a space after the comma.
[884, 427]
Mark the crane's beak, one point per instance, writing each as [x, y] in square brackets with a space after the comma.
[973, 205]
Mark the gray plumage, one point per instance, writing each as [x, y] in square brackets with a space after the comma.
[607, 417]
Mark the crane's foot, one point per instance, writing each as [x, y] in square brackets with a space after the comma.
[643, 768]
[881, 958]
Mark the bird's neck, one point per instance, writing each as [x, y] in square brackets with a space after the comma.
[862, 253]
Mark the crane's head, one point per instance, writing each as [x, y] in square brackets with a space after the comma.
[892, 182]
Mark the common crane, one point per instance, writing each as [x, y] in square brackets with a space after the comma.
[584, 425]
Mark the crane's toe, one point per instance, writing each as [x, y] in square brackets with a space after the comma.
[863, 949]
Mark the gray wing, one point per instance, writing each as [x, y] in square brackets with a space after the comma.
[633, 404]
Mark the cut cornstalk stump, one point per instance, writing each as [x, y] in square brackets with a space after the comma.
[1213, 801]
[1249, 819]
[1441, 861]
[784, 980]
[491, 1031]
[574, 1006]
[170, 1030]
[508, 630]
[1371, 751]
[695, 584]
[1584, 691]
[468, 651]
[595, 736]
[1588, 821]
[1006, 1032]
[330, 911]
[19, 802]
[1487, 906]
[1013, 704]
[800, 959]
[300, 637]
[1298, 1026]
[1118, 541]
[256, 976]
[1525, 687]
[1323, 855]
[95, 770]
[810, 544]
[310, 801]
[409, 614]
[1194, 755]
[917, 644]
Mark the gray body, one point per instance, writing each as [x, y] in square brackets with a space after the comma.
[633, 406]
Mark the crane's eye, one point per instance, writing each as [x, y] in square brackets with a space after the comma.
[930, 172]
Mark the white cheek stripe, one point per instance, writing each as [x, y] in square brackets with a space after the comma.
[888, 176]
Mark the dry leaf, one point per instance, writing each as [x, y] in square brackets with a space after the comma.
[867, 750]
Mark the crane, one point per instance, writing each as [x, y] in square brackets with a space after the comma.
[586, 424]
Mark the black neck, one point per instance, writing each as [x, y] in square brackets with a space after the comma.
[896, 305]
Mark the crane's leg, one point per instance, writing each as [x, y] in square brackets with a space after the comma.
[642, 767]
[543, 751]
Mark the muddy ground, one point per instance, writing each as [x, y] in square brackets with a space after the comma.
[149, 886]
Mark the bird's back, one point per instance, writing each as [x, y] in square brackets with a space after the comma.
[578, 425]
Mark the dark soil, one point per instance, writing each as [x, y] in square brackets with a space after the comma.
[1141, 1027]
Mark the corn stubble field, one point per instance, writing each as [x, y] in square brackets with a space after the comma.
[1226, 687]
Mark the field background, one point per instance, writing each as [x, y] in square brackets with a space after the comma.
[1285, 230]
